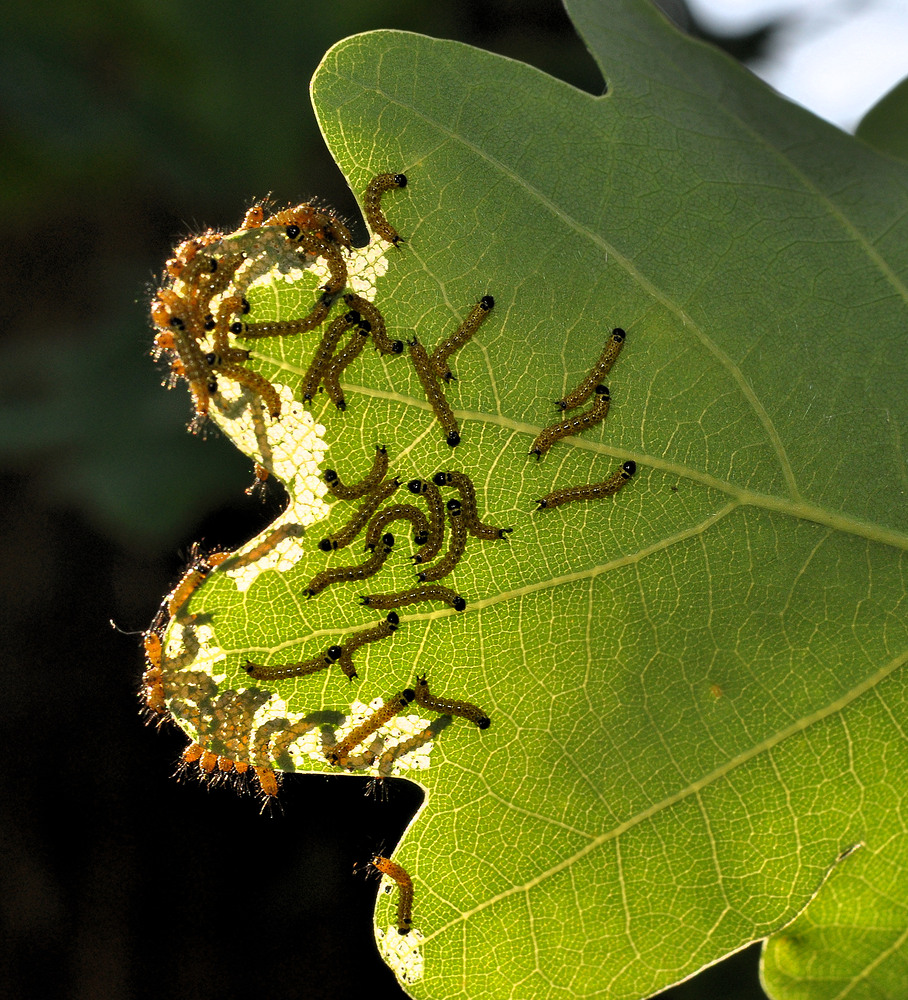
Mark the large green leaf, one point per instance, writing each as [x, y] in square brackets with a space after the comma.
[695, 686]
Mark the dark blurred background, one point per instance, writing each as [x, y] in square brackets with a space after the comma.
[125, 125]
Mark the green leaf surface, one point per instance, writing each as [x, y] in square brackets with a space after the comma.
[696, 686]
[885, 126]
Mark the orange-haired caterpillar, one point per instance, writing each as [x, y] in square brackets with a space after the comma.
[398, 750]
[344, 574]
[432, 545]
[251, 380]
[325, 351]
[376, 321]
[398, 512]
[447, 706]
[258, 487]
[589, 491]
[464, 485]
[311, 219]
[575, 425]
[460, 336]
[341, 361]
[374, 215]
[426, 592]
[405, 891]
[381, 631]
[366, 485]
[456, 547]
[282, 671]
[341, 539]
[153, 677]
[437, 400]
[602, 367]
[198, 569]
[180, 333]
[340, 752]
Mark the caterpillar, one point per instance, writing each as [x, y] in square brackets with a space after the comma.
[287, 327]
[377, 322]
[575, 425]
[344, 574]
[374, 215]
[426, 592]
[398, 512]
[282, 671]
[460, 336]
[447, 706]
[265, 546]
[589, 491]
[404, 894]
[340, 752]
[433, 543]
[456, 547]
[313, 246]
[381, 631]
[398, 750]
[437, 400]
[311, 219]
[464, 485]
[352, 528]
[251, 380]
[603, 366]
[153, 677]
[340, 362]
[260, 478]
[199, 567]
[325, 351]
[366, 485]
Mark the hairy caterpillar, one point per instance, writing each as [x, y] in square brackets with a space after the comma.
[404, 894]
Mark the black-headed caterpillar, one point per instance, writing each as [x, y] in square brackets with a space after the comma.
[374, 500]
[397, 512]
[375, 217]
[426, 592]
[378, 632]
[325, 351]
[464, 485]
[404, 891]
[447, 706]
[456, 546]
[345, 574]
[434, 393]
[366, 485]
[432, 545]
[282, 671]
[589, 491]
[575, 425]
[376, 321]
[460, 336]
[598, 372]
[340, 752]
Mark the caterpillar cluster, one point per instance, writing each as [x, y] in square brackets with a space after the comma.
[200, 302]
[459, 515]
[590, 385]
